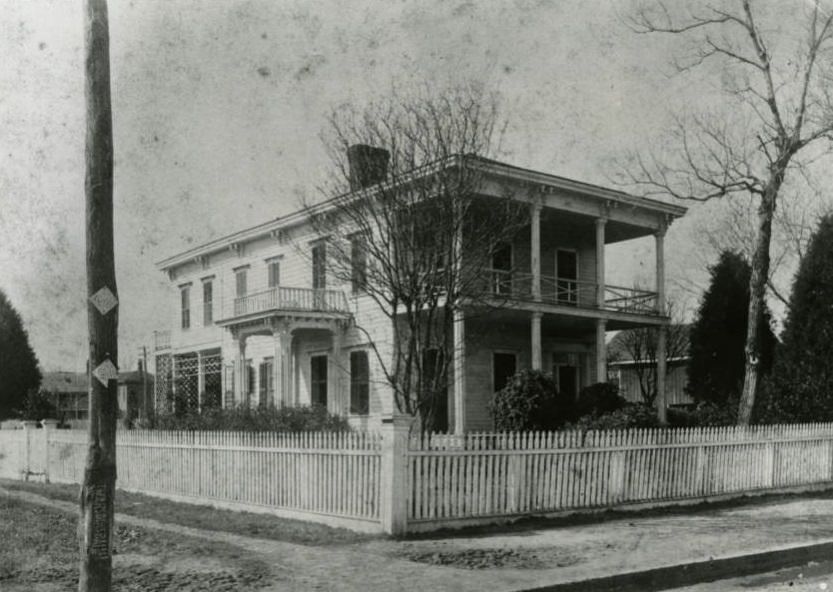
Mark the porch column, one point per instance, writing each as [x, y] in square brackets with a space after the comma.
[283, 361]
[200, 381]
[662, 403]
[339, 405]
[535, 253]
[600, 261]
[660, 251]
[536, 340]
[459, 372]
[601, 351]
[277, 392]
[240, 369]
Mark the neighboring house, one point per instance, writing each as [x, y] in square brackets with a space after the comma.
[68, 391]
[633, 376]
[258, 319]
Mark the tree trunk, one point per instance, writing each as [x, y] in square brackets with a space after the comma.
[95, 528]
[757, 293]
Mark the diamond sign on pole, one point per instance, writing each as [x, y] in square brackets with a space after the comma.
[104, 300]
[105, 372]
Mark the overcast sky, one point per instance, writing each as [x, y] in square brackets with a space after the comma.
[218, 107]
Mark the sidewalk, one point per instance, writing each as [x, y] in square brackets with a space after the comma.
[528, 558]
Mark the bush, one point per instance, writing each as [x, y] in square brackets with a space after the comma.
[800, 389]
[251, 419]
[599, 399]
[718, 334]
[37, 405]
[632, 415]
[705, 415]
[530, 401]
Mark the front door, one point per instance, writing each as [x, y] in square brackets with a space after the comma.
[318, 380]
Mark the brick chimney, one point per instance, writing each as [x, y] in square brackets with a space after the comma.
[368, 165]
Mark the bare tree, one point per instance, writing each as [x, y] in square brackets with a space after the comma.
[411, 230]
[640, 346]
[780, 106]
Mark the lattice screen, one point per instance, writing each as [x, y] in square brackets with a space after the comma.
[186, 383]
[212, 365]
[163, 389]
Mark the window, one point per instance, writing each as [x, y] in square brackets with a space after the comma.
[319, 265]
[504, 366]
[185, 299]
[566, 270]
[273, 267]
[502, 269]
[435, 389]
[318, 380]
[240, 282]
[565, 370]
[207, 303]
[359, 383]
[358, 261]
[266, 382]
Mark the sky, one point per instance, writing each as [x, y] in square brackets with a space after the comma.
[219, 107]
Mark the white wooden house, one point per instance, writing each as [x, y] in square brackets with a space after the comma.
[259, 319]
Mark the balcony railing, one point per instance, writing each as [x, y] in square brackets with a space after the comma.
[290, 299]
[571, 292]
[161, 340]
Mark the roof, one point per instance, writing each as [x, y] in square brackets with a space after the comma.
[64, 382]
[490, 166]
[76, 382]
[618, 353]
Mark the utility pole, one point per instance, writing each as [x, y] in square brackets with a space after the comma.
[95, 530]
[145, 406]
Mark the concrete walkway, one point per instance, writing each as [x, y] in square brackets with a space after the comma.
[546, 558]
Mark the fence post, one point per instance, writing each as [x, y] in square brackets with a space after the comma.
[394, 474]
[49, 427]
[29, 431]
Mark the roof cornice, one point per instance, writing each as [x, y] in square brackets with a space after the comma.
[489, 166]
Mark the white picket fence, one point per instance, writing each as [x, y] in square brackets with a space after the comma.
[394, 482]
[511, 474]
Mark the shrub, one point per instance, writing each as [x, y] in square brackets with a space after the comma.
[530, 401]
[251, 419]
[37, 405]
[718, 334]
[632, 415]
[801, 387]
[599, 399]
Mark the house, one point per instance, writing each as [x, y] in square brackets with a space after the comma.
[258, 318]
[636, 375]
[69, 392]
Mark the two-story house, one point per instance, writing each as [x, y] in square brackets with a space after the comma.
[260, 320]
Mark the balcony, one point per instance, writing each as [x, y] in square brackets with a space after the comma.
[161, 340]
[570, 292]
[289, 300]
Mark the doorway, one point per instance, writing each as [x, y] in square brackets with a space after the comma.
[566, 272]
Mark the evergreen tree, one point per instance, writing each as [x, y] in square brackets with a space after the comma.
[801, 387]
[718, 335]
[19, 370]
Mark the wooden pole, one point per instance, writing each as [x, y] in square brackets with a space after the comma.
[97, 492]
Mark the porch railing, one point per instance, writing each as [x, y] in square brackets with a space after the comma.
[514, 285]
[161, 340]
[290, 299]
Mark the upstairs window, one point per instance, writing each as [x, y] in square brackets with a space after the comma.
[319, 266]
[359, 383]
[358, 262]
[185, 306]
[273, 270]
[207, 303]
[240, 282]
[502, 269]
